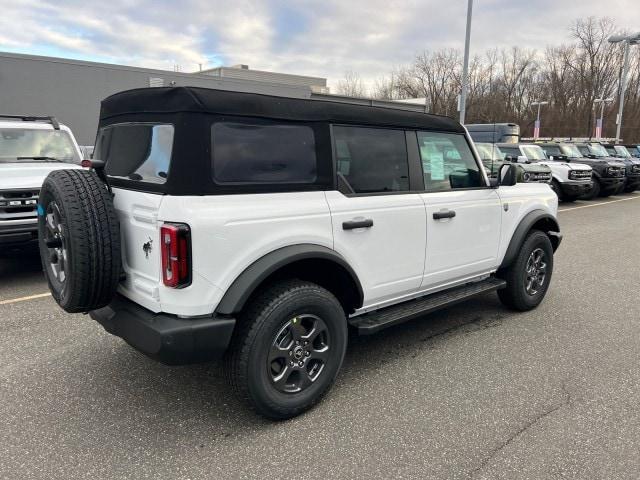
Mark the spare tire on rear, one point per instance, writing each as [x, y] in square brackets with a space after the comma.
[79, 239]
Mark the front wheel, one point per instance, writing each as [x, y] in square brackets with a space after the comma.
[594, 191]
[288, 348]
[528, 277]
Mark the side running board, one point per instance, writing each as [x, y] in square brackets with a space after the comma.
[370, 323]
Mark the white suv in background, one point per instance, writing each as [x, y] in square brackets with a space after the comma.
[262, 228]
[30, 148]
[570, 180]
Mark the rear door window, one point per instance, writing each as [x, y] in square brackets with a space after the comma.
[372, 160]
[136, 151]
[263, 153]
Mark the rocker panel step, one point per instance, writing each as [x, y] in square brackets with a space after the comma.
[370, 323]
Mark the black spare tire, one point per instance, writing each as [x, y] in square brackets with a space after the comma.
[79, 238]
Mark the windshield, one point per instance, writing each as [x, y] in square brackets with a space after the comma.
[598, 150]
[48, 145]
[489, 151]
[533, 152]
[622, 151]
[570, 151]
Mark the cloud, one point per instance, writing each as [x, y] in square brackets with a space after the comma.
[325, 39]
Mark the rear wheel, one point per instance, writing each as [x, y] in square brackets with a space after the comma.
[288, 348]
[529, 275]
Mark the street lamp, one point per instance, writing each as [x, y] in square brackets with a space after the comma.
[536, 130]
[465, 65]
[633, 39]
[599, 124]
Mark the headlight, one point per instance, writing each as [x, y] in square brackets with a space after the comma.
[526, 177]
[635, 168]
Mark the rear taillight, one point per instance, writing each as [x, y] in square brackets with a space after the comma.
[175, 244]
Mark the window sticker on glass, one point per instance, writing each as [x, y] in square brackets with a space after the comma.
[434, 161]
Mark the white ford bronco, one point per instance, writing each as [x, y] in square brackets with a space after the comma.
[261, 229]
[30, 148]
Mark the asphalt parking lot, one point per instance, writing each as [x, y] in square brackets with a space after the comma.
[474, 391]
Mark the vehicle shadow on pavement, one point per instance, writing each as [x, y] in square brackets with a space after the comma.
[131, 386]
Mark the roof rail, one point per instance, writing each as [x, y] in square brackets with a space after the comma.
[568, 139]
[30, 118]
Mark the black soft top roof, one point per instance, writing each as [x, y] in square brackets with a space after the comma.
[224, 102]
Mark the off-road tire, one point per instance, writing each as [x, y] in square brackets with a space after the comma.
[594, 192]
[91, 238]
[515, 295]
[246, 366]
[555, 186]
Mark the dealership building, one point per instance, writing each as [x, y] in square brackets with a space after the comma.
[71, 90]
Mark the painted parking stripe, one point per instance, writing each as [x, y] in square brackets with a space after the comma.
[598, 204]
[24, 299]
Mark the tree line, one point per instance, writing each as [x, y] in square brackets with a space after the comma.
[503, 83]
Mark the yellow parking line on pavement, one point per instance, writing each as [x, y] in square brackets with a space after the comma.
[597, 204]
[24, 299]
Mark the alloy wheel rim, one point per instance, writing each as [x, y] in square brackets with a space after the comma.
[299, 353]
[535, 271]
[56, 242]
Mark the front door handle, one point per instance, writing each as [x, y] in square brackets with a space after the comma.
[350, 225]
[444, 214]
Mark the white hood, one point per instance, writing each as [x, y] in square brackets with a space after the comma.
[25, 174]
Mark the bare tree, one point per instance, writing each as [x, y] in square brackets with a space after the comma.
[352, 85]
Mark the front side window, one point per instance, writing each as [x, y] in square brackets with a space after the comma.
[257, 153]
[447, 162]
[139, 152]
[372, 160]
[19, 144]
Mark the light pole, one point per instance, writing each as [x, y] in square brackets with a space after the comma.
[536, 129]
[628, 40]
[599, 124]
[465, 65]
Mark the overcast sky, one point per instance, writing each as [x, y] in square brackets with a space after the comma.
[322, 38]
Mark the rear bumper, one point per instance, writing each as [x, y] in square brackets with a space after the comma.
[575, 189]
[163, 337]
[18, 233]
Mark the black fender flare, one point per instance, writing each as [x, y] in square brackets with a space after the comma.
[245, 284]
[524, 227]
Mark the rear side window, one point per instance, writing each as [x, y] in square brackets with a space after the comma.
[270, 153]
[372, 160]
[136, 151]
[553, 150]
[447, 162]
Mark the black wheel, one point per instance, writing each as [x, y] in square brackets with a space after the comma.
[629, 189]
[570, 198]
[79, 240]
[528, 277]
[555, 186]
[594, 191]
[287, 349]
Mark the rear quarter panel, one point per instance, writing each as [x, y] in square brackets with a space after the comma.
[230, 232]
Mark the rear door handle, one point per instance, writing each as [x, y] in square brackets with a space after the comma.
[350, 225]
[444, 214]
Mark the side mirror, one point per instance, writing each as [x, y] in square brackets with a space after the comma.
[507, 175]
